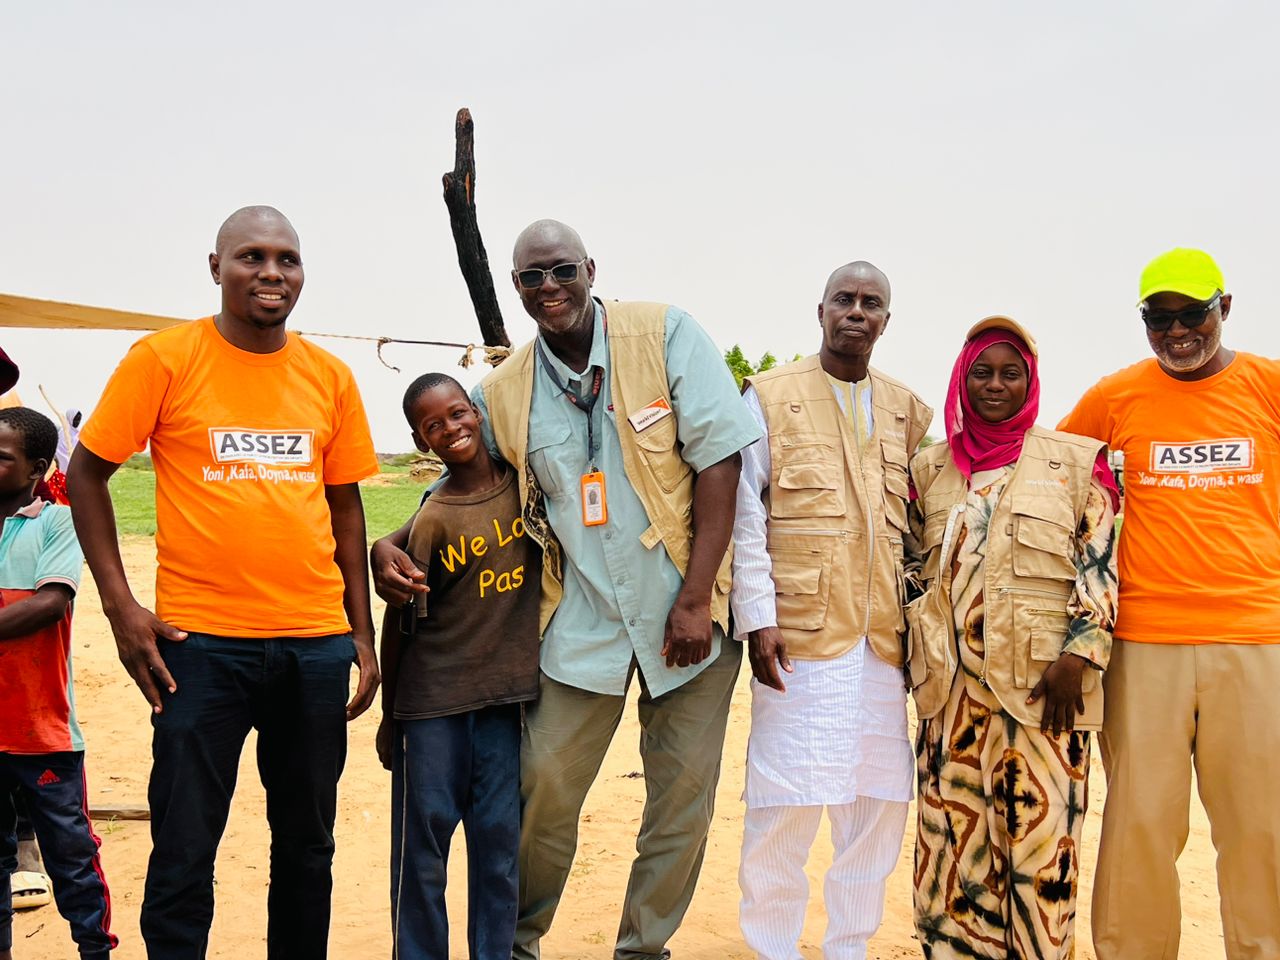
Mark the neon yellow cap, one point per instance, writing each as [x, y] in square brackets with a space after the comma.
[1191, 273]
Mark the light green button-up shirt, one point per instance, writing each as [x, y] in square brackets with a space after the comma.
[617, 594]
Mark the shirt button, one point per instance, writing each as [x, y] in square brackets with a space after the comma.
[631, 622]
[609, 535]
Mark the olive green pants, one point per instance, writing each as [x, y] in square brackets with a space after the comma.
[566, 735]
[1168, 706]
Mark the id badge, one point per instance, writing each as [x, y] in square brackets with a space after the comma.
[595, 508]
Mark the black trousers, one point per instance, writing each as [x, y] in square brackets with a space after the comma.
[53, 787]
[293, 691]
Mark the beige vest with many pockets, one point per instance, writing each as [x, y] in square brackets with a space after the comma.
[1030, 572]
[836, 513]
[661, 479]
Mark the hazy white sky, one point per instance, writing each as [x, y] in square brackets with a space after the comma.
[990, 157]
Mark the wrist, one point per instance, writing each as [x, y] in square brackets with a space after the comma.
[115, 607]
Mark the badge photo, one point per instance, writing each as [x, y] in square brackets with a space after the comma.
[595, 508]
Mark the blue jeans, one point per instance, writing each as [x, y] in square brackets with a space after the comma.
[293, 691]
[461, 768]
[53, 786]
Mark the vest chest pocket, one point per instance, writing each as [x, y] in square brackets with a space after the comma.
[802, 586]
[658, 447]
[897, 489]
[810, 488]
[1043, 533]
[935, 528]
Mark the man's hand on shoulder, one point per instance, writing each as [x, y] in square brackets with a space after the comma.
[686, 639]
[767, 651]
[136, 629]
[370, 676]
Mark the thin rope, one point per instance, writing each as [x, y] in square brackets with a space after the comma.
[492, 355]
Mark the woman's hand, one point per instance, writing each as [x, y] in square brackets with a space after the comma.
[1063, 699]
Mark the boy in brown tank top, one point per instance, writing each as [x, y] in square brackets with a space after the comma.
[458, 662]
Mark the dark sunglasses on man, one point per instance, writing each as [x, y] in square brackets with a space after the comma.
[561, 273]
[1158, 321]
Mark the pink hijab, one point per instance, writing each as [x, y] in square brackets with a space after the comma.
[977, 445]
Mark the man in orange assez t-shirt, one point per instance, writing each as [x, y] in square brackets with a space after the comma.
[1195, 667]
[262, 602]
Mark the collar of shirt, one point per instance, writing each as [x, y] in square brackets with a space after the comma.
[599, 356]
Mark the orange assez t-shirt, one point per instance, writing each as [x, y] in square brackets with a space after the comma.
[243, 445]
[1200, 545]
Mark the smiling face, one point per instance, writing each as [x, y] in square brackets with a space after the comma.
[1187, 353]
[258, 264]
[557, 308]
[448, 425]
[854, 311]
[997, 382]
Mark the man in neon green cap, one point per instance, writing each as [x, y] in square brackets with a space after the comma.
[1196, 661]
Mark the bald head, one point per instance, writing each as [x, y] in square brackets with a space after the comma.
[544, 235]
[248, 221]
[855, 271]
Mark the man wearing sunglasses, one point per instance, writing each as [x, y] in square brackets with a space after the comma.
[1196, 660]
[625, 426]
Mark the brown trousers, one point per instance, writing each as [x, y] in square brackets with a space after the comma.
[1168, 706]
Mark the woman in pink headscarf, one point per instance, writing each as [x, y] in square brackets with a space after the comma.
[1013, 528]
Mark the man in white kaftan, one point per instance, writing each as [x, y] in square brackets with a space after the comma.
[817, 595]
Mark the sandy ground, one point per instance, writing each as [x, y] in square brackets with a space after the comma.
[114, 716]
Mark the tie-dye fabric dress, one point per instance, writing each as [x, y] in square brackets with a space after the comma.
[1001, 805]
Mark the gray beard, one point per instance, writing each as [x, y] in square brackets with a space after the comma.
[1196, 361]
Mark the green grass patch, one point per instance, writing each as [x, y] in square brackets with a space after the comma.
[387, 505]
[133, 493]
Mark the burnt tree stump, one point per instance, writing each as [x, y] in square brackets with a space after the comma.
[460, 198]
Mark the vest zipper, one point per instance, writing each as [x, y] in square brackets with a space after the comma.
[871, 530]
[1005, 591]
[813, 532]
[945, 558]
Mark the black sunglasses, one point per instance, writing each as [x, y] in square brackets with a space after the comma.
[1192, 317]
[561, 273]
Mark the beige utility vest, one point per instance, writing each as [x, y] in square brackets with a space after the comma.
[1030, 571]
[661, 479]
[836, 513]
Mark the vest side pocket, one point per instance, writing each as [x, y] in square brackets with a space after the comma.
[1039, 630]
[802, 585]
[928, 638]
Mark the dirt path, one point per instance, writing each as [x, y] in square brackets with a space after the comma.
[114, 716]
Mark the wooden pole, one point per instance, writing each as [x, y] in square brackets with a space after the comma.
[460, 198]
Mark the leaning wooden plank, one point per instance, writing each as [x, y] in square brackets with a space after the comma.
[50, 314]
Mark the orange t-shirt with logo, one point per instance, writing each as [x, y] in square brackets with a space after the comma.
[1200, 545]
[243, 445]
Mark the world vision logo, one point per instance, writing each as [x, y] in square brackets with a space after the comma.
[238, 445]
[1202, 456]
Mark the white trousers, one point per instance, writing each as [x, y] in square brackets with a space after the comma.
[867, 837]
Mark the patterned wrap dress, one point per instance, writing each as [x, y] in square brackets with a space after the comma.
[1001, 805]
